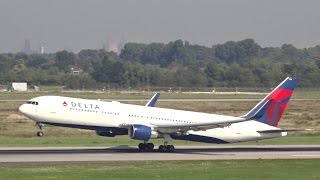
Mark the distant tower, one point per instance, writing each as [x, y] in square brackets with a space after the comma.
[105, 46]
[113, 46]
[41, 50]
[122, 43]
[27, 46]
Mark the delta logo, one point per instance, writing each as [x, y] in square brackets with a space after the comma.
[65, 104]
[82, 105]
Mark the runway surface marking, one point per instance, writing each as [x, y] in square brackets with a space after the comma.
[128, 153]
[307, 155]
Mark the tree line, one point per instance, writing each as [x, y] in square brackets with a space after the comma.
[175, 64]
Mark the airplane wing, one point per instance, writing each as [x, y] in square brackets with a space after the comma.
[173, 128]
[199, 126]
[153, 100]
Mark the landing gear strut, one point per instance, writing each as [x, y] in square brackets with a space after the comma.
[40, 132]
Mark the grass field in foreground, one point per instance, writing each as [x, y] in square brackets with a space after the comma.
[220, 169]
[125, 140]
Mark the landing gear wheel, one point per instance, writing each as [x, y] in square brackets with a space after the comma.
[150, 146]
[39, 133]
[166, 148]
[146, 146]
[162, 148]
[142, 147]
[170, 148]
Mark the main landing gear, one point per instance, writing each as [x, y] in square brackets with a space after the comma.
[147, 147]
[40, 132]
[166, 147]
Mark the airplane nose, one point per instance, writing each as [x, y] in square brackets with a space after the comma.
[28, 110]
[23, 109]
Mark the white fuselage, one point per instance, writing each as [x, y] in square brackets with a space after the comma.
[81, 112]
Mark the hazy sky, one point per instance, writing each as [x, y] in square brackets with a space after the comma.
[87, 24]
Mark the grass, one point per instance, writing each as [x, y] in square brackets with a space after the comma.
[219, 169]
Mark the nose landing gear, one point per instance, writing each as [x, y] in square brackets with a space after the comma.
[40, 132]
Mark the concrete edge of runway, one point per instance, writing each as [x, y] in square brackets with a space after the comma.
[130, 153]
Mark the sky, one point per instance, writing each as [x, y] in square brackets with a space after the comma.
[87, 24]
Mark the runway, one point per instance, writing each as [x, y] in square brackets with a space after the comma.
[127, 153]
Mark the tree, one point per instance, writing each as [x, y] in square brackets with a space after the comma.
[237, 51]
[64, 60]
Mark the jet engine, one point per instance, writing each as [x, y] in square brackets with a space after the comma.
[141, 132]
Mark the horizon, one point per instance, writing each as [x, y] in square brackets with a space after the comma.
[37, 51]
[74, 25]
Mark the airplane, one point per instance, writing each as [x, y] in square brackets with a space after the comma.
[148, 122]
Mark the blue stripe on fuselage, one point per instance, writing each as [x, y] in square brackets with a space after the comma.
[198, 138]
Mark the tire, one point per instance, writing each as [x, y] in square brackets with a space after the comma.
[150, 146]
[39, 133]
[170, 148]
[162, 148]
[142, 147]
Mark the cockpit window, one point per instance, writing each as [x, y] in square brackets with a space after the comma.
[33, 102]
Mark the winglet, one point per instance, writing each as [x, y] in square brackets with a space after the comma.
[153, 100]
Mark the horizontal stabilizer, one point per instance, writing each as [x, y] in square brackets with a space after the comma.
[282, 130]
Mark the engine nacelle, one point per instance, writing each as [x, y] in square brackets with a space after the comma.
[141, 132]
[111, 132]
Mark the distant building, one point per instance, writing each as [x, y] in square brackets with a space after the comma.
[17, 86]
[27, 46]
[112, 46]
[105, 46]
[41, 50]
[75, 70]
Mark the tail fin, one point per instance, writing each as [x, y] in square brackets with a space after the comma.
[270, 109]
